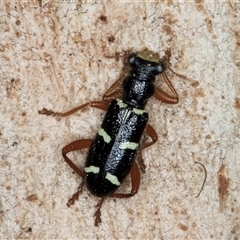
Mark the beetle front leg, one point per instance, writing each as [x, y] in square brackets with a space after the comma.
[115, 91]
[74, 146]
[164, 96]
[103, 105]
[97, 214]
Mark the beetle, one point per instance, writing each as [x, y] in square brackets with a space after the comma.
[115, 150]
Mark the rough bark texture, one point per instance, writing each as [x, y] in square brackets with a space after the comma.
[60, 54]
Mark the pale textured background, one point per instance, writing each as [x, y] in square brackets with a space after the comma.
[59, 54]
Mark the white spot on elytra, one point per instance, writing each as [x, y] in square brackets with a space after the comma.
[128, 145]
[113, 179]
[105, 136]
[92, 169]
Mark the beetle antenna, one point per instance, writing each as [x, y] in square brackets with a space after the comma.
[166, 60]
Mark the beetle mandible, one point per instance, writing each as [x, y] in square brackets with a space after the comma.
[114, 152]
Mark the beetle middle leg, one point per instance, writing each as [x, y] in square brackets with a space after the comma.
[150, 132]
[97, 214]
[74, 146]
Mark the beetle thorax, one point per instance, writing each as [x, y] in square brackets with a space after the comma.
[136, 92]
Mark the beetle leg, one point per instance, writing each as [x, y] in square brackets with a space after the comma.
[166, 60]
[74, 146]
[97, 214]
[113, 88]
[115, 91]
[135, 182]
[95, 104]
[149, 130]
[113, 95]
[75, 196]
[164, 96]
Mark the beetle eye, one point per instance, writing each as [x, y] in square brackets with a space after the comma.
[160, 67]
[131, 59]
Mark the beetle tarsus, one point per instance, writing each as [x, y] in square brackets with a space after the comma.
[97, 214]
[75, 196]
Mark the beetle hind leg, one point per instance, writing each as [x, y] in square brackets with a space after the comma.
[97, 214]
[74, 146]
[75, 196]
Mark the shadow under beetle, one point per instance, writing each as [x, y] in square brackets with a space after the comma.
[114, 152]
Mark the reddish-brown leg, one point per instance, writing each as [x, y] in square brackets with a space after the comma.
[149, 131]
[95, 104]
[113, 95]
[75, 196]
[97, 214]
[74, 146]
[115, 91]
[166, 60]
[135, 182]
[164, 96]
